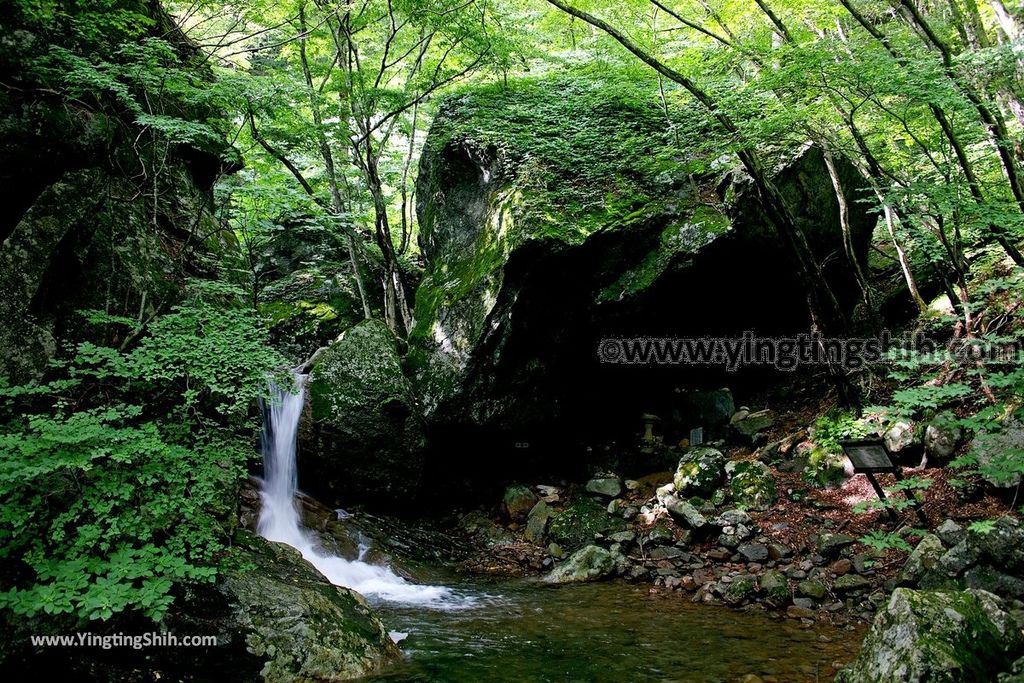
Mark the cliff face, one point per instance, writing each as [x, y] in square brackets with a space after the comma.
[553, 214]
[98, 210]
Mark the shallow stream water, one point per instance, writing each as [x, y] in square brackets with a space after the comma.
[612, 631]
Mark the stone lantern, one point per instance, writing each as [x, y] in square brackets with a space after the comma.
[649, 421]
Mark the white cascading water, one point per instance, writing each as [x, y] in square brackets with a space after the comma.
[279, 515]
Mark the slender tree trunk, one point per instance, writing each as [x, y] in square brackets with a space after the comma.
[337, 202]
[407, 205]
[844, 224]
[901, 255]
[1007, 22]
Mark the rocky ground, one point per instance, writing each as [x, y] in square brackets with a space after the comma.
[744, 522]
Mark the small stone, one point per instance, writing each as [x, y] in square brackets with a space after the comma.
[806, 603]
[830, 545]
[609, 487]
[841, 566]
[797, 612]
[623, 537]
[665, 553]
[850, 583]
[733, 518]
[812, 589]
[863, 562]
[754, 552]
[777, 551]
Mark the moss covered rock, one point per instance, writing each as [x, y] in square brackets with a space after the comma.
[751, 484]
[581, 519]
[276, 616]
[700, 472]
[361, 438]
[936, 636]
[589, 563]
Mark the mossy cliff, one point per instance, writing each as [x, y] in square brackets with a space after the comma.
[557, 211]
[99, 210]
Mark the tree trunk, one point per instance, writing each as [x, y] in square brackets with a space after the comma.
[337, 202]
[844, 224]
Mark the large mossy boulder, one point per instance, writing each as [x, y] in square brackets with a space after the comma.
[277, 617]
[589, 563]
[938, 637]
[361, 437]
[699, 473]
[580, 521]
[558, 211]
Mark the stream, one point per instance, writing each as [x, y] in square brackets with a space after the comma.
[520, 630]
[611, 631]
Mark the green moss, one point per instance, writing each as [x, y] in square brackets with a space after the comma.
[585, 150]
[356, 371]
[582, 518]
[704, 223]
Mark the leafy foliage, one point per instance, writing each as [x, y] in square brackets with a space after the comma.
[121, 470]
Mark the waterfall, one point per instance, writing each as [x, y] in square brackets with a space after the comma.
[280, 521]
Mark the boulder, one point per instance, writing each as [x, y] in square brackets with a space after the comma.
[687, 515]
[753, 424]
[537, 523]
[950, 533]
[700, 472]
[899, 437]
[1000, 454]
[534, 252]
[812, 589]
[580, 521]
[517, 502]
[739, 590]
[942, 436]
[921, 561]
[589, 563]
[277, 616]
[935, 636]
[709, 409]
[361, 438]
[608, 487]
[992, 580]
[775, 587]
[751, 484]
